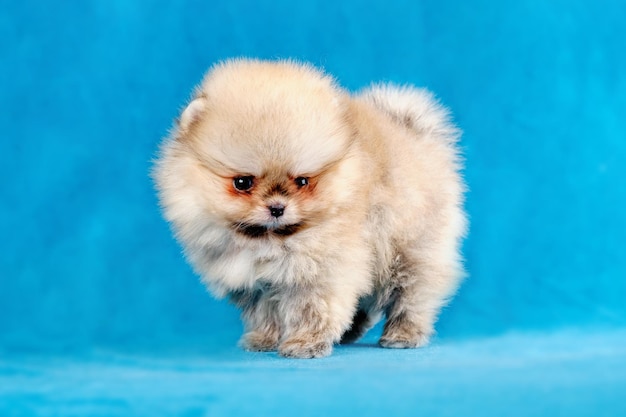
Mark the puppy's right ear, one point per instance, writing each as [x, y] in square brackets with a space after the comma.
[192, 113]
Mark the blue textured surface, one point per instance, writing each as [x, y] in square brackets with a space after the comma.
[100, 315]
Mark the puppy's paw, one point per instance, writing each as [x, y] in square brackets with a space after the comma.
[403, 342]
[304, 349]
[404, 335]
[255, 341]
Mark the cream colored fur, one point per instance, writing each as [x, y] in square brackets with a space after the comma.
[376, 229]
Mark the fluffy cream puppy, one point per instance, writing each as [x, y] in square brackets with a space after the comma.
[316, 212]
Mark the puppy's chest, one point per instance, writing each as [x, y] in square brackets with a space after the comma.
[286, 267]
[245, 267]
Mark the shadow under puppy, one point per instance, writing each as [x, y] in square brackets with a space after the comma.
[314, 211]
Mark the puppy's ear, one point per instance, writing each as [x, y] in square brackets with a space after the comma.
[192, 113]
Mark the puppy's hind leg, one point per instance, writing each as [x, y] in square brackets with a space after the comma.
[364, 319]
[360, 324]
[422, 287]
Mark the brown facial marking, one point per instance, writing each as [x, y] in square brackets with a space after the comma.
[257, 231]
[308, 190]
[251, 230]
[277, 189]
[288, 230]
[232, 191]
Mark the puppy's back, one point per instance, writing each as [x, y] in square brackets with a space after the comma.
[414, 108]
[421, 163]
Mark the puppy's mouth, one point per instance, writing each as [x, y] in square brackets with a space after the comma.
[259, 230]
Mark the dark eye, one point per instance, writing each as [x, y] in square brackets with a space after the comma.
[243, 183]
[301, 182]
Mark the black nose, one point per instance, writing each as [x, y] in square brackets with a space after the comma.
[276, 210]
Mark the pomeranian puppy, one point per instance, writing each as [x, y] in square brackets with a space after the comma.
[315, 211]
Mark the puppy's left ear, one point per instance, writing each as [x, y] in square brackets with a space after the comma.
[192, 113]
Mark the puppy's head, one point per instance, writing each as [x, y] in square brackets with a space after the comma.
[263, 149]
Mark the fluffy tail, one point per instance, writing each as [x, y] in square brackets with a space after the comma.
[414, 108]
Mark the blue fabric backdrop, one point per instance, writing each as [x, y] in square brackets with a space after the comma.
[88, 89]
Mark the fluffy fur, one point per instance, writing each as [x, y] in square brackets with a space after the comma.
[353, 210]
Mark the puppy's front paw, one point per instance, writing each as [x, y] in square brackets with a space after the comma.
[259, 342]
[304, 349]
[404, 335]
